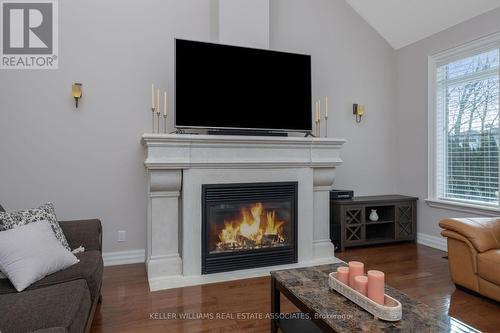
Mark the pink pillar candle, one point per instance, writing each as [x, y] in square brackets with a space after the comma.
[356, 268]
[361, 284]
[376, 286]
[343, 275]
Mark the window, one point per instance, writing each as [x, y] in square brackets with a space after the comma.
[464, 124]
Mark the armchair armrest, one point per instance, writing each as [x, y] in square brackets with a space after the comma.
[471, 248]
[482, 233]
[86, 233]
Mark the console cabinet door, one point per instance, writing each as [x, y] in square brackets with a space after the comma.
[353, 218]
[405, 221]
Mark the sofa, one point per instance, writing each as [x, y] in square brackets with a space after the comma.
[64, 301]
[474, 254]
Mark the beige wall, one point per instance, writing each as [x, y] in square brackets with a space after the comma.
[351, 63]
[89, 161]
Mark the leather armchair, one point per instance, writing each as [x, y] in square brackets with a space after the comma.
[474, 253]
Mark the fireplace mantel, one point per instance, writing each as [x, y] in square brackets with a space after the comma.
[178, 164]
[176, 151]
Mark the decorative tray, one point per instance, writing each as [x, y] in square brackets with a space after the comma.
[390, 311]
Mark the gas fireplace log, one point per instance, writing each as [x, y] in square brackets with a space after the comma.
[246, 242]
[269, 239]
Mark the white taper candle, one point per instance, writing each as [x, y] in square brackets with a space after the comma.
[319, 110]
[165, 104]
[326, 107]
[158, 100]
[152, 96]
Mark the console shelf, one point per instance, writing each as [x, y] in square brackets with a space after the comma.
[350, 224]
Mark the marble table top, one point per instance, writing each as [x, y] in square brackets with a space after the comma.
[310, 286]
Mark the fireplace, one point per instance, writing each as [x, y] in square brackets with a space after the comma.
[248, 225]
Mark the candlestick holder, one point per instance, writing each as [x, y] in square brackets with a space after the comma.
[326, 126]
[153, 111]
[164, 123]
[158, 124]
[319, 128]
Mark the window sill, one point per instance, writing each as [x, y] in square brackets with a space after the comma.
[463, 207]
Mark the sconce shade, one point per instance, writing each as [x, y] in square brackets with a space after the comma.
[76, 92]
[358, 111]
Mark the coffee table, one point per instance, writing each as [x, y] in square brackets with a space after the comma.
[323, 310]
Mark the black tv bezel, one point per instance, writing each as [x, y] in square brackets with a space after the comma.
[278, 130]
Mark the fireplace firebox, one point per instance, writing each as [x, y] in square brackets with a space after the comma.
[248, 225]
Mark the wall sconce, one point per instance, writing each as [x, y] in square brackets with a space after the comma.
[358, 111]
[76, 92]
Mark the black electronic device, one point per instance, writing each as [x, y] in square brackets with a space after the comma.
[226, 87]
[341, 194]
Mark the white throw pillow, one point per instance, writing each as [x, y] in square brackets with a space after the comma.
[30, 252]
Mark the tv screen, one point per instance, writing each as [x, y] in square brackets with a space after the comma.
[228, 87]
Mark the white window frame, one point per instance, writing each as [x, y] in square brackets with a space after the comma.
[434, 61]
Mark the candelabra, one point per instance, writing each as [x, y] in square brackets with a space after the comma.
[316, 131]
[153, 111]
[326, 126]
[158, 124]
[165, 123]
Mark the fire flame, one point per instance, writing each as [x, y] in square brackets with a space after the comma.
[249, 231]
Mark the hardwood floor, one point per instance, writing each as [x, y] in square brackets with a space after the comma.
[418, 271]
[422, 272]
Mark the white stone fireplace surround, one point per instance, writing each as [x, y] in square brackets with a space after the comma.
[179, 164]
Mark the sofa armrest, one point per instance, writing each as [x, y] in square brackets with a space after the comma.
[86, 233]
[483, 233]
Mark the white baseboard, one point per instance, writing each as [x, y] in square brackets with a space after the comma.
[432, 241]
[139, 256]
[124, 257]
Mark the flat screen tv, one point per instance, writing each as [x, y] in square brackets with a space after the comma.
[229, 87]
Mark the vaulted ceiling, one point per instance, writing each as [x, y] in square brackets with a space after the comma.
[403, 22]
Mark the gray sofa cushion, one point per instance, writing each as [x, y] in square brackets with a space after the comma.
[64, 306]
[89, 269]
